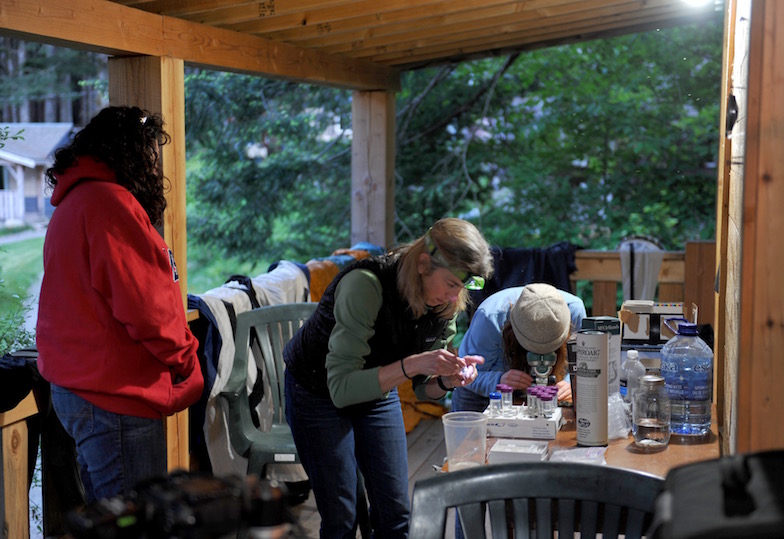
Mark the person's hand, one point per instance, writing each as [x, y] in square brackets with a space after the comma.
[564, 391]
[517, 379]
[435, 363]
[467, 374]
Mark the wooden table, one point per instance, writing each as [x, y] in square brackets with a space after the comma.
[622, 453]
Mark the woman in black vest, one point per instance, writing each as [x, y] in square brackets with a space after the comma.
[381, 321]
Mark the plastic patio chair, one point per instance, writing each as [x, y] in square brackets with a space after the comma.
[537, 499]
[272, 326]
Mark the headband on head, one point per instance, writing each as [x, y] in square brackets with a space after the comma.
[471, 282]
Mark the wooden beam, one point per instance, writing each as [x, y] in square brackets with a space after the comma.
[118, 30]
[723, 385]
[15, 499]
[699, 282]
[368, 15]
[605, 298]
[373, 168]
[595, 265]
[224, 49]
[465, 46]
[465, 25]
[760, 363]
[157, 85]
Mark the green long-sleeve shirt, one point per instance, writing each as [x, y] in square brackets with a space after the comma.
[358, 299]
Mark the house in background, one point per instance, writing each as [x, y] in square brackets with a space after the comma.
[23, 196]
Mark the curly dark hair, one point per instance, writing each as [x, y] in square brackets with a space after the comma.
[127, 139]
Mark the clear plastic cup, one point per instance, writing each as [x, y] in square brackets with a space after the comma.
[465, 434]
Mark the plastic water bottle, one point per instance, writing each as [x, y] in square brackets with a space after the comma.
[631, 372]
[687, 368]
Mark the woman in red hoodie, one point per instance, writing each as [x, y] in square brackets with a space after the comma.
[112, 336]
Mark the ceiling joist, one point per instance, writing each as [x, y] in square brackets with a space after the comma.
[114, 29]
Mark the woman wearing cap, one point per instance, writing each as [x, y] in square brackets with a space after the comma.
[381, 321]
[536, 318]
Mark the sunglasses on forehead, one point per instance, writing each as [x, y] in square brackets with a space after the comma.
[471, 282]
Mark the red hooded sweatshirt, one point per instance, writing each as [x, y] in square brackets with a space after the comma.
[111, 324]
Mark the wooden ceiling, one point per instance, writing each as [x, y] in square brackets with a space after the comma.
[407, 34]
[355, 44]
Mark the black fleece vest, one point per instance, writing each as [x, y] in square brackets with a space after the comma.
[397, 333]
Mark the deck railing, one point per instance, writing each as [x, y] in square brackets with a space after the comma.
[687, 276]
[11, 206]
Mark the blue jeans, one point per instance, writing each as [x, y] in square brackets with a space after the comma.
[332, 443]
[115, 452]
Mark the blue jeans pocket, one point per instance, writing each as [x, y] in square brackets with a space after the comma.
[115, 451]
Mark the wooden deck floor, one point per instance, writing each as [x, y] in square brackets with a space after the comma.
[425, 449]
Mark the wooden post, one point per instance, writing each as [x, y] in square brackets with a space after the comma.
[699, 281]
[373, 168]
[605, 298]
[15, 506]
[761, 340]
[722, 220]
[157, 84]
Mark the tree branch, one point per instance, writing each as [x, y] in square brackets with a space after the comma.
[467, 106]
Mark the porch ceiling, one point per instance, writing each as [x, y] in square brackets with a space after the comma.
[408, 34]
[355, 44]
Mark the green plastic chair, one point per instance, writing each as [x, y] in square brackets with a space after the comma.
[272, 326]
[537, 499]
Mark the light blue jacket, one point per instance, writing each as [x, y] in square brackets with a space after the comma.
[483, 338]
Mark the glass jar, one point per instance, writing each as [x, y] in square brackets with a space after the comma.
[651, 413]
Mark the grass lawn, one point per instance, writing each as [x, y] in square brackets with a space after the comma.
[21, 263]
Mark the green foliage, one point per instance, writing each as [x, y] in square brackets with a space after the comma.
[5, 134]
[22, 264]
[586, 143]
[12, 333]
[269, 184]
[45, 70]
[13, 336]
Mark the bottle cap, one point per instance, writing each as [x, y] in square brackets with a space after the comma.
[687, 328]
[632, 354]
[495, 395]
[651, 380]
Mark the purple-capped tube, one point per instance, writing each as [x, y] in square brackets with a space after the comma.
[507, 403]
[547, 405]
[532, 399]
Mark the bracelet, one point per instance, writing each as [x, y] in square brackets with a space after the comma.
[403, 368]
[442, 386]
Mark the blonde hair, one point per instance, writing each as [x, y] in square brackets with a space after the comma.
[461, 245]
